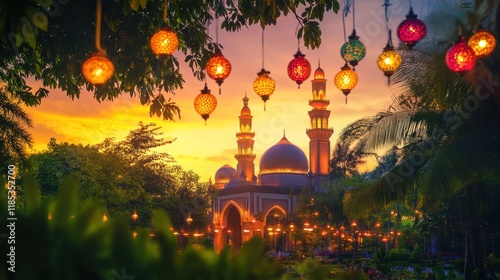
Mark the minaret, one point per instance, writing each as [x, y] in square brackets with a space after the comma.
[245, 155]
[319, 133]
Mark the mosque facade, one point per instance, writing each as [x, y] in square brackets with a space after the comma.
[249, 204]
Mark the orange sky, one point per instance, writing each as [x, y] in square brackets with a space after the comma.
[204, 148]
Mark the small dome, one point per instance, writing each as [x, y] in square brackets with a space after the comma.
[245, 111]
[284, 157]
[319, 74]
[223, 175]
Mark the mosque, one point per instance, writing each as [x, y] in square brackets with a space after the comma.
[250, 205]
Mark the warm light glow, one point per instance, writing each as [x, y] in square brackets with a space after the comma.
[218, 68]
[264, 85]
[389, 61]
[104, 218]
[98, 69]
[299, 69]
[205, 103]
[134, 234]
[282, 170]
[164, 42]
[346, 80]
[460, 57]
[189, 220]
[482, 42]
[49, 216]
[216, 231]
[135, 216]
[353, 224]
[411, 30]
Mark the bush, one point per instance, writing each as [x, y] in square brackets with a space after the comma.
[76, 244]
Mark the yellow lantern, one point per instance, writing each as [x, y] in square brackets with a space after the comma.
[389, 61]
[98, 69]
[205, 103]
[264, 85]
[104, 217]
[164, 42]
[346, 80]
[482, 42]
[189, 220]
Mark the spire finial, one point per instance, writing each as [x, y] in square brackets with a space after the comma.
[319, 64]
[283, 132]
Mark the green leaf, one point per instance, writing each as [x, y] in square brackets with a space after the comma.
[143, 3]
[134, 4]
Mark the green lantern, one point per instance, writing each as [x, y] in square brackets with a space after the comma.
[353, 50]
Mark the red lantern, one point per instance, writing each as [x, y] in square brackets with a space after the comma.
[218, 68]
[299, 68]
[411, 30]
[460, 57]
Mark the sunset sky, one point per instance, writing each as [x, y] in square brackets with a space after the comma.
[205, 148]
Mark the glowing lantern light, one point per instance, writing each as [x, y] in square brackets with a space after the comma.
[346, 80]
[205, 103]
[135, 216]
[299, 69]
[264, 85]
[460, 57]
[104, 217]
[389, 61]
[98, 69]
[353, 50]
[411, 30]
[482, 42]
[164, 42]
[218, 68]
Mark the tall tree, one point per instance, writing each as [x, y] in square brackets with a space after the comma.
[49, 40]
[14, 136]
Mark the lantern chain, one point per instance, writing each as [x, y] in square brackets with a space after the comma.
[98, 26]
[262, 48]
[165, 12]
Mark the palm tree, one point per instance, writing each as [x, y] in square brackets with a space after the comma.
[448, 127]
[14, 122]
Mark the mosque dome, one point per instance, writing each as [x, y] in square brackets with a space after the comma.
[245, 111]
[224, 175]
[284, 157]
[319, 74]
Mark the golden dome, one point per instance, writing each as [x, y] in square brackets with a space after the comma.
[245, 111]
[284, 157]
[319, 74]
[224, 174]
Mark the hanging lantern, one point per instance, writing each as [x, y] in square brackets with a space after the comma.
[299, 69]
[411, 30]
[264, 85]
[389, 61]
[164, 42]
[218, 68]
[98, 69]
[353, 51]
[135, 216]
[460, 57]
[482, 42]
[346, 80]
[205, 103]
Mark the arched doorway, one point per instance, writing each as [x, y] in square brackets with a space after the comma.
[233, 228]
[274, 230]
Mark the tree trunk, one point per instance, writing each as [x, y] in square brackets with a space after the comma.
[473, 252]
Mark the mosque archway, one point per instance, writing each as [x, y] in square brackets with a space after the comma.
[232, 229]
[275, 230]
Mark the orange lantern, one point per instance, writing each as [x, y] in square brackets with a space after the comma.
[205, 103]
[98, 69]
[389, 61]
[218, 68]
[482, 42]
[346, 80]
[264, 85]
[164, 42]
